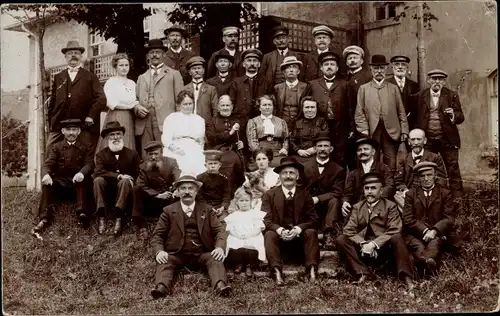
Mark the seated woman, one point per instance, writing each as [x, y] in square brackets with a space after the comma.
[268, 131]
[184, 136]
[245, 242]
[223, 134]
[306, 129]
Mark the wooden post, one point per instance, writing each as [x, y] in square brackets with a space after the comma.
[421, 46]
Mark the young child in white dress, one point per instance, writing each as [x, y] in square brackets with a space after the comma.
[245, 242]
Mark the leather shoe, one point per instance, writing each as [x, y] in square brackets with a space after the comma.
[312, 274]
[362, 279]
[278, 277]
[41, 226]
[249, 271]
[143, 233]
[409, 283]
[329, 241]
[160, 291]
[118, 226]
[431, 265]
[223, 289]
[102, 225]
[84, 220]
[238, 268]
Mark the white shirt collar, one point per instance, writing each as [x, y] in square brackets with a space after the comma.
[77, 67]
[69, 143]
[373, 204]
[293, 84]
[270, 116]
[197, 82]
[355, 71]
[403, 80]
[378, 82]
[285, 51]
[157, 67]
[367, 165]
[185, 207]
[333, 78]
[285, 191]
[322, 162]
[176, 50]
[231, 52]
[225, 74]
[321, 51]
[438, 93]
[250, 75]
[413, 154]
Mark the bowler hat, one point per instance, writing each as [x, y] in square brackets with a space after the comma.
[280, 30]
[290, 60]
[71, 123]
[322, 29]
[328, 56]
[111, 127]
[424, 165]
[400, 58]
[213, 154]
[224, 54]
[187, 178]
[195, 60]
[155, 43]
[153, 145]
[289, 162]
[73, 45]
[251, 52]
[367, 140]
[378, 60]
[372, 177]
[175, 28]
[353, 49]
[437, 73]
[322, 136]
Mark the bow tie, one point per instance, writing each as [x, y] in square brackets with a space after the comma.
[322, 165]
[436, 95]
[329, 80]
[282, 52]
[418, 157]
[223, 76]
[70, 69]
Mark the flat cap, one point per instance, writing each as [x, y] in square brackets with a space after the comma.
[153, 145]
[424, 165]
[372, 177]
[437, 73]
[195, 60]
[328, 56]
[322, 29]
[230, 30]
[175, 28]
[251, 52]
[71, 123]
[367, 140]
[213, 154]
[353, 49]
[280, 30]
[400, 58]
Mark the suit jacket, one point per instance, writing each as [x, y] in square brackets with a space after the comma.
[166, 87]
[327, 185]
[156, 182]
[353, 192]
[244, 98]
[384, 221]
[236, 69]
[178, 62]
[384, 101]
[447, 99]
[405, 179]
[273, 204]
[169, 233]
[206, 104]
[408, 95]
[270, 63]
[438, 212]
[84, 97]
[221, 87]
[354, 81]
[279, 94]
[108, 167]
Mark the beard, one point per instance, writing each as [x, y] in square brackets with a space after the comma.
[116, 145]
[154, 165]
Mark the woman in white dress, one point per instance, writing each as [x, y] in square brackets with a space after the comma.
[245, 242]
[184, 136]
[121, 99]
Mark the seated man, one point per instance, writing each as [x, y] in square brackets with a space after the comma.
[154, 186]
[404, 179]
[188, 232]
[366, 162]
[216, 190]
[291, 222]
[67, 169]
[326, 183]
[115, 172]
[374, 232]
[428, 216]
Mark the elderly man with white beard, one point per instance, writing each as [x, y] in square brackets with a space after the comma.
[116, 170]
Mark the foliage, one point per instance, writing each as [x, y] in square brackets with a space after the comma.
[428, 16]
[14, 146]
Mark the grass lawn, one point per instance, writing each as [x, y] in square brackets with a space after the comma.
[73, 271]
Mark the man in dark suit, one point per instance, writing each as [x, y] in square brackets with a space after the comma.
[428, 216]
[154, 186]
[188, 232]
[354, 192]
[230, 37]
[76, 94]
[438, 112]
[322, 38]
[115, 172]
[271, 63]
[67, 169]
[325, 183]
[176, 56]
[408, 88]
[374, 232]
[405, 178]
[331, 92]
[223, 79]
[291, 222]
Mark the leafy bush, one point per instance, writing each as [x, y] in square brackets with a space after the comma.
[14, 146]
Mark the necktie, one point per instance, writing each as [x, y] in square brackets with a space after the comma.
[417, 158]
[197, 85]
[290, 195]
[282, 52]
[401, 85]
[189, 211]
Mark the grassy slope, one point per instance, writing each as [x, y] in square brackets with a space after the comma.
[79, 272]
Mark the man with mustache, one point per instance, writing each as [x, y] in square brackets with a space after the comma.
[373, 234]
[66, 170]
[291, 222]
[438, 112]
[224, 77]
[115, 172]
[154, 186]
[322, 38]
[405, 178]
[156, 91]
[176, 56]
[205, 95]
[380, 113]
[188, 233]
[326, 183]
[353, 192]
[76, 94]
[231, 38]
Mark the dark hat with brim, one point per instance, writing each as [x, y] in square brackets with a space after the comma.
[111, 127]
[73, 45]
[187, 178]
[378, 60]
[367, 140]
[153, 145]
[155, 44]
[323, 136]
[213, 154]
[71, 123]
[372, 177]
[424, 165]
[289, 162]
[280, 30]
[195, 60]
[328, 56]
[175, 28]
[400, 58]
[224, 54]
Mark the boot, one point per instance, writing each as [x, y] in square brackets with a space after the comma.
[118, 227]
[102, 225]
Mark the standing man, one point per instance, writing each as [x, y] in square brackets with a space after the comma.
[271, 63]
[356, 76]
[156, 91]
[322, 38]
[326, 184]
[176, 56]
[76, 94]
[331, 92]
[291, 222]
[231, 38]
[438, 113]
[380, 113]
[224, 77]
[408, 88]
[205, 95]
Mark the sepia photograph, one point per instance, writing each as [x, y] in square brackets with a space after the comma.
[316, 157]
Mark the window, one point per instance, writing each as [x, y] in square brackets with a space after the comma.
[385, 11]
[264, 8]
[147, 28]
[96, 43]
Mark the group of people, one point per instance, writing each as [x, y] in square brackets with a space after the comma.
[248, 158]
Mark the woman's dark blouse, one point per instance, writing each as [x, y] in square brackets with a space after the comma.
[217, 132]
[305, 131]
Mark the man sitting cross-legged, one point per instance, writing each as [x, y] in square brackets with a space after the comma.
[188, 232]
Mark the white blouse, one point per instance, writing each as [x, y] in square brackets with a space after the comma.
[120, 91]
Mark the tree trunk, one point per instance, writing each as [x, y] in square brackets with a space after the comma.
[42, 97]
[421, 46]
